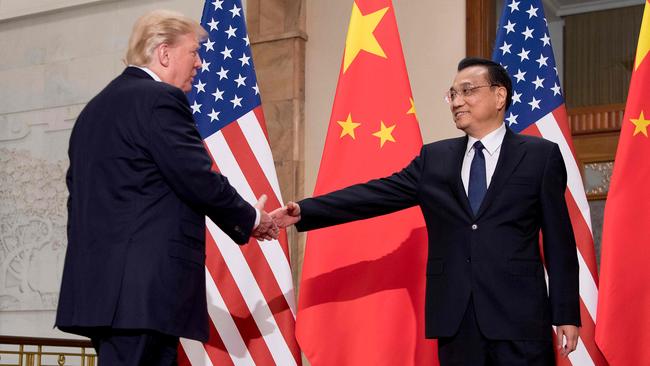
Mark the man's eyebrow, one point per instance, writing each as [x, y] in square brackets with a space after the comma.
[462, 84]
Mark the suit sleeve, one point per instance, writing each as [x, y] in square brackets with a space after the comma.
[177, 149]
[361, 201]
[559, 243]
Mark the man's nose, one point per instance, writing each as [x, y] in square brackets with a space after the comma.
[457, 101]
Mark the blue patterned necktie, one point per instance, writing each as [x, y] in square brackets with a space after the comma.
[477, 178]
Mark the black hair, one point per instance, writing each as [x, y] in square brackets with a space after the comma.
[497, 74]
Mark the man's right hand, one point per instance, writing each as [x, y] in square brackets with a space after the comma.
[266, 229]
[287, 215]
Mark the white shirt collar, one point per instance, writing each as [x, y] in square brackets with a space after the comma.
[492, 141]
[148, 71]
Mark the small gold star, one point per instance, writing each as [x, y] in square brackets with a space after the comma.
[641, 125]
[412, 110]
[385, 134]
[348, 126]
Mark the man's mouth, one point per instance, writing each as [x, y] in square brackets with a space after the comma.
[460, 114]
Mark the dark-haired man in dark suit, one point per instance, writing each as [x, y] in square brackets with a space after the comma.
[485, 197]
[140, 184]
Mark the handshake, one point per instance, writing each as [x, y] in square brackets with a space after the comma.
[270, 223]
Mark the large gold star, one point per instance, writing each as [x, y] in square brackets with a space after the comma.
[643, 46]
[360, 35]
[641, 125]
[348, 126]
[385, 134]
[412, 110]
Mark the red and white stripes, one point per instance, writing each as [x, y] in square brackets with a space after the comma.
[554, 127]
[249, 288]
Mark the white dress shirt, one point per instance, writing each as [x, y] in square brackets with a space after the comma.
[492, 143]
[148, 71]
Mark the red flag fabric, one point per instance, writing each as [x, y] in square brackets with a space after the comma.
[249, 288]
[623, 326]
[361, 298]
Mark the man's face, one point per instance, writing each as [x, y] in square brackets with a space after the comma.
[183, 62]
[476, 104]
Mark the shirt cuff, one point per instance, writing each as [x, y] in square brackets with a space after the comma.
[258, 217]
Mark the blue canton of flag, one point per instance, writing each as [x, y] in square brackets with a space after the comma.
[523, 47]
[225, 88]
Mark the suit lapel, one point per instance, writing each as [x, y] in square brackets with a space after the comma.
[509, 157]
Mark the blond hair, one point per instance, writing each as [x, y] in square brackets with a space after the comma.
[155, 28]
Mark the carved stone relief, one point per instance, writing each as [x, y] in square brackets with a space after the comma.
[33, 206]
[32, 230]
[597, 177]
[17, 126]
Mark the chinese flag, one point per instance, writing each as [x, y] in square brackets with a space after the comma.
[362, 292]
[623, 321]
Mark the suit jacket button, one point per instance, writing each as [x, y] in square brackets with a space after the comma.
[468, 260]
[474, 227]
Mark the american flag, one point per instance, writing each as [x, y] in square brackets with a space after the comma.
[523, 47]
[249, 288]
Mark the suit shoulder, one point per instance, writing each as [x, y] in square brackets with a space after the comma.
[149, 88]
[535, 142]
[134, 84]
[133, 98]
[443, 145]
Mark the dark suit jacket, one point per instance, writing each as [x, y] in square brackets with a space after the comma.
[493, 256]
[140, 183]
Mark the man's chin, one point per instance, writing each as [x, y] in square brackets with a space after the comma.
[461, 124]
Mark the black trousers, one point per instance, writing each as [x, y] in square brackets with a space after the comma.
[469, 347]
[135, 348]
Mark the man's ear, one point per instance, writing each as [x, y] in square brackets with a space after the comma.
[162, 53]
[502, 94]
